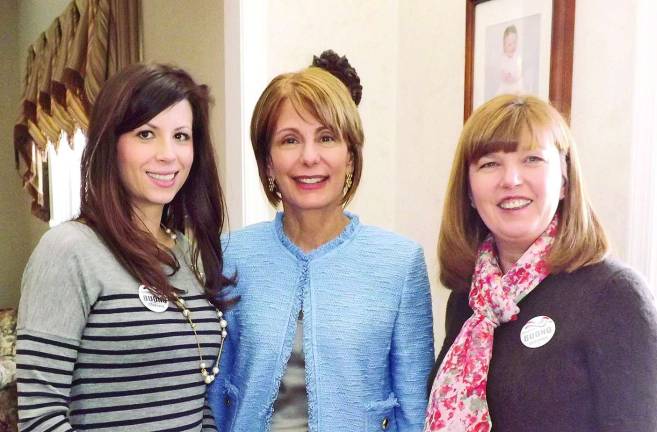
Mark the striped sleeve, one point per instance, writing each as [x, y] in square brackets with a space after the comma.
[51, 318]
[44, 373]
[208, 418]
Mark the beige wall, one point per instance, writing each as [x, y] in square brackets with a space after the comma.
[189, 34]
[430, 115]
[13, 210]
[603, 74]
[22, 21]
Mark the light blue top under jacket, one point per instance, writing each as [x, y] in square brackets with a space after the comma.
[367, 329]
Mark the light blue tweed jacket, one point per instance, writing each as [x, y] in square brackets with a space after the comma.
[367, 329]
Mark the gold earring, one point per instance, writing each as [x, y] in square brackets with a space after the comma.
[348, 181]
[272, 185]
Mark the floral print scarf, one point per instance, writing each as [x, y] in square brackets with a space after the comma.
[458, 395]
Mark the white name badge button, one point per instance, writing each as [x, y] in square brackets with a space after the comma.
[151, 301]
[537, 332]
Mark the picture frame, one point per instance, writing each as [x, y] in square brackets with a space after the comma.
[519, 46]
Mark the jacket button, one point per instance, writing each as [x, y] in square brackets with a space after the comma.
[385, 423]
[227, 401]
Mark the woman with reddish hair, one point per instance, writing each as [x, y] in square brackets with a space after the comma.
[544, 332]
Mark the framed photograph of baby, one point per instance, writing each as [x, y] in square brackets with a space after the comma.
[519, 46]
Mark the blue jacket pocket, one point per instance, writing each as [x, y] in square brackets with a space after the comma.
[381, 415]
[224, 400]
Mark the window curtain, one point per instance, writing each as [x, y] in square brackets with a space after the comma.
[65, 69]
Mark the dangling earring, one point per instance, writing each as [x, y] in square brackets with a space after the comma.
[272, 185]
[348, 181]
[564, 187]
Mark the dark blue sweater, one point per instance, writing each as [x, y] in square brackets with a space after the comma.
[599, 371]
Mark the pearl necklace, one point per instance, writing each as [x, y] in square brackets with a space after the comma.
[208, 377]
[170, 233]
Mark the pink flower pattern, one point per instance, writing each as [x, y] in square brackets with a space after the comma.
[458, 396]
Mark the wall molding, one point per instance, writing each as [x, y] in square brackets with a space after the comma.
[642, 241]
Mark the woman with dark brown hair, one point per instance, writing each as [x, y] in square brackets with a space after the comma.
[544, 332]
[119, 323]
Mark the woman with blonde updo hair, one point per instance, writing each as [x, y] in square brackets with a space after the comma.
[333, 330]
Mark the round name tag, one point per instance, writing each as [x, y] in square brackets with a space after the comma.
[151, 301]
[537, 332]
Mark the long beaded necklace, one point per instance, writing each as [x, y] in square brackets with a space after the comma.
[208, 377]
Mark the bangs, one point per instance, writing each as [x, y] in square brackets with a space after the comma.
[313, 92]
[515, 127]
[323, 107]
[156, 96]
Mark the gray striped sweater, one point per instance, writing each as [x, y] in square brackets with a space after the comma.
[91, 356]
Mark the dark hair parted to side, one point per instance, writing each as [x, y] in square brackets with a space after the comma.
[497, 126]
[129, 99]
[323, 96]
